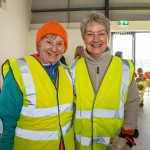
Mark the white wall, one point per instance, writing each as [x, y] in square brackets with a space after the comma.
[75, 40]
[14, 28]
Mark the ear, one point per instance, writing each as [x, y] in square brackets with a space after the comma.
[38, 50]
[39, 46]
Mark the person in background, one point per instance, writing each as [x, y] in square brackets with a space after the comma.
[36, 103]
[106, 94]
[79, 52]
[119, 54]
[141, 83]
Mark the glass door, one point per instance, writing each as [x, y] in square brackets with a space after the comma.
[123, 42]
[142, 49]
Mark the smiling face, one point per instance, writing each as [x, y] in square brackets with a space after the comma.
[51, 49]
[95, 39]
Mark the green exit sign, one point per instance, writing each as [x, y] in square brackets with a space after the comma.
[123, 22]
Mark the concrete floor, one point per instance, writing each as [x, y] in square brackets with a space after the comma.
[143, 142]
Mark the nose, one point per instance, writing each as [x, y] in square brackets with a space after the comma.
[96, 38]
[54, 47]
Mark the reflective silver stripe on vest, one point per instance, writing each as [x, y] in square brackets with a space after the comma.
[101, 140]
[37, 135]
[31, 110]
[72, 72]
[42, 112]
[69, 76]
[66, 128]
[125, 78]
[42, 135]
[88, 141]
[104, 113]
[124, 84]
[28, 81]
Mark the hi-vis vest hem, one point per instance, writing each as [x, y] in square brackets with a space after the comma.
[98, 117]
[46, 115]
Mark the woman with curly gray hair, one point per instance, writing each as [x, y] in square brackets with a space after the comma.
[106, 95]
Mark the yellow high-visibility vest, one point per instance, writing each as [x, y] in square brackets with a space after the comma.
[98, 117]
[47, 111]
[141, 88]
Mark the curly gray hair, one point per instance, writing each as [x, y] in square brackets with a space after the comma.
[95, 17]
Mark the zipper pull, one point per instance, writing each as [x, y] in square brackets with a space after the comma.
[97, 69]
[53, 72]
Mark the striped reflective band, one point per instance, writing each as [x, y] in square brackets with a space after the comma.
[124, 84]
[125, 81]
[42, 135]
[142, 83]
[72, 72]
[88, 141]
[69, 76]
[31, 110]
[42, 112]
[104, 113]
[28, 81]
[37, 135]
[66, 128]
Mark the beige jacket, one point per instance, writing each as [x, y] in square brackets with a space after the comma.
[133, 100]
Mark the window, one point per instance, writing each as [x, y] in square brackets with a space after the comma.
[135, 46]
[142, 45]
[123, 42]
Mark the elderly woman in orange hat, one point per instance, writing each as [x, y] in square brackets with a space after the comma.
[36, 104]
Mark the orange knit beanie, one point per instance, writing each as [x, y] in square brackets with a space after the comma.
[54, 28]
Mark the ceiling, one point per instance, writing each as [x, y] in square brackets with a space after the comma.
[72, 11]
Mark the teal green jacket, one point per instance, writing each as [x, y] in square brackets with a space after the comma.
[11, 105]
[10, 108]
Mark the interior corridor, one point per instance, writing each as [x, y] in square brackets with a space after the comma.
[143, 142]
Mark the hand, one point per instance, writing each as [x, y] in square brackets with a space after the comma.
[117, 144]
[127, 147]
